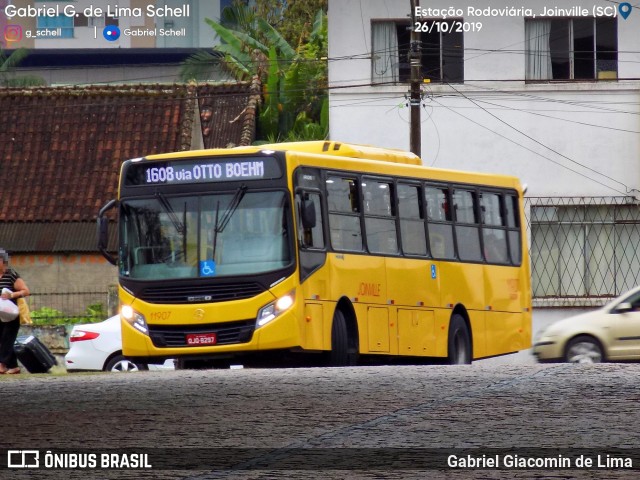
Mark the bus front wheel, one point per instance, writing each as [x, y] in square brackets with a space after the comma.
[343, 348]
[459, 342]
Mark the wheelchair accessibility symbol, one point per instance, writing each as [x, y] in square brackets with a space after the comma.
[207, 268]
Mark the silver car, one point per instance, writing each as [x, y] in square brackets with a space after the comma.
[610, 333]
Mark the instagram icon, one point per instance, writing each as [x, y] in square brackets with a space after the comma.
[12, 33]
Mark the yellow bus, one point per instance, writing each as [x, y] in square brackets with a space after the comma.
[243, 254]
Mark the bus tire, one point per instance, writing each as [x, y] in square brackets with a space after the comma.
[343, 353]
[459, 342]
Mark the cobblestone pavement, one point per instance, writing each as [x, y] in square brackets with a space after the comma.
[250, 419]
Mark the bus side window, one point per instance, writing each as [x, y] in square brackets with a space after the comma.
[493, 229]
[412, 231]
[380, 224]
[344, 213]
[513, 225]
[467, 225]
[310, 229]
[439, 222]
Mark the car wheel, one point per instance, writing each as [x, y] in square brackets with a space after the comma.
[459, 342]
[121, 364]
[584, 349]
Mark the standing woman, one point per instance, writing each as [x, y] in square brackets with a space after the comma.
[10, 279]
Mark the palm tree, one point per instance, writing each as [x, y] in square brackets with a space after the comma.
[295, 79]
[8, 64]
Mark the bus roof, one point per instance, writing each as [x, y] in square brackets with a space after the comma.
[365, 152]
[315, 150]
[315, 147]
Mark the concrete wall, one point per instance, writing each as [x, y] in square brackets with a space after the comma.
[68, 283]
[74, 272]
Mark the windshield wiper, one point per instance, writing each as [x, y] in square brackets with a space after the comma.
[233, 205]
[177, 224]
[221, 224]
[180, 226]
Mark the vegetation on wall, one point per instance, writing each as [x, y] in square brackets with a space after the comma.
[50, 316]
[8, 75]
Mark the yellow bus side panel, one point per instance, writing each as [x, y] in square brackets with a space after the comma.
[313, 327]
[505, 333]
[442, 319]
[503, 289]
[410, 283]
[416, 332]
[462, 283]
[378, 328]
[479, 335]
[361, 278]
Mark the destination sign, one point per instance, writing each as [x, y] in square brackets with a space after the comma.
[204, 170]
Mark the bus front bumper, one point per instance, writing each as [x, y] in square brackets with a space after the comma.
[281, 333]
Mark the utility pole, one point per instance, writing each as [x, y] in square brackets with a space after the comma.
[415, 54]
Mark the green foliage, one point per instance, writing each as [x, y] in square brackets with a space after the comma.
[50, 316]
[292, 18]
[7, 66]
[294, 78]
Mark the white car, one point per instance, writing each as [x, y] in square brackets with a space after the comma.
[98, 346]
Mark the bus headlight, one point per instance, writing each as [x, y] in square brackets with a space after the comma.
[135, 319]
[274, 309]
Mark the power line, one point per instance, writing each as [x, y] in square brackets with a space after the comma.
[542, 144]
[533, 151]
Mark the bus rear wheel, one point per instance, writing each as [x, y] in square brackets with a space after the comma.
[459, 342]
[344, 351]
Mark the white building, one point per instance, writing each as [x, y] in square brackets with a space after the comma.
[546, 91]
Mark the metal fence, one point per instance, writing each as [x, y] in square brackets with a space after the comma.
[584, 250]
[70, 307]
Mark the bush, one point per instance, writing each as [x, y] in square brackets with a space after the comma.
[50, 316]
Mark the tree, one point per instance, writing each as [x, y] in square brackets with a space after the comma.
[294, 19]
[8, 64]
[295, 79]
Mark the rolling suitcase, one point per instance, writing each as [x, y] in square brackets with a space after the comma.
[34, 355]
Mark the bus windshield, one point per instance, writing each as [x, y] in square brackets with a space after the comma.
[229, 234]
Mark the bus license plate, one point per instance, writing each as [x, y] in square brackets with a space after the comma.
[201, 339]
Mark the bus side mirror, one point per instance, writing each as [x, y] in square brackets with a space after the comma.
[103, 232]
[308, 212]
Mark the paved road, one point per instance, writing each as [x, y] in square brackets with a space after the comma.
[353, 418]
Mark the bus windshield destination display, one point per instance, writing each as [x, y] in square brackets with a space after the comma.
[202, 171]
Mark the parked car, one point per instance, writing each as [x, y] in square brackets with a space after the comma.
[98, 346]
[610, 333]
